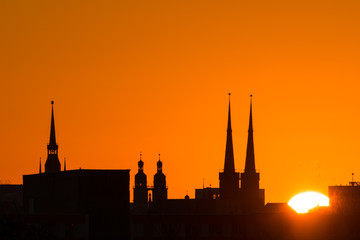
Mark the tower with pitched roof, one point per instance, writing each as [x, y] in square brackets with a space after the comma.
[52, 163]
[229, 179]
[251, 193]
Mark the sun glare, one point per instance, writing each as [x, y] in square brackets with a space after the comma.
[305, 201]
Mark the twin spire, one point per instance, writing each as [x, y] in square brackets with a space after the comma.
[229, 179]
[229, 152]
[250, 153]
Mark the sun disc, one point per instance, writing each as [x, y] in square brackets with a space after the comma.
[305, 201]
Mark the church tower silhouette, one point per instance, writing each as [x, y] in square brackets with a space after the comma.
[160, 189]
[250, 178]
[52, 162]
[140, 189]
[229, 179]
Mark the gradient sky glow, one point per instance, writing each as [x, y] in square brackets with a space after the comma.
[150, 76]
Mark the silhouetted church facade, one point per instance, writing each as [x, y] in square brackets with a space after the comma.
[250, 196]
[77, 204]
[141, 188]
[142, 193]
[52, 162]
[215, 213]
[229, 179]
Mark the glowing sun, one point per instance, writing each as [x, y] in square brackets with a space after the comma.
[305, 201]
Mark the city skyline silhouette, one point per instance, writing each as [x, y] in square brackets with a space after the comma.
[95, 204]
[238, 163]
[129, 78]
[179, 120]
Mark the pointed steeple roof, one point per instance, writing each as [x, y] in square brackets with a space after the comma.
[229, 152]
[52, 142]
[250, 153]
[52, 163]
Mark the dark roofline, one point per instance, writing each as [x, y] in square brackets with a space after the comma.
[81, 170]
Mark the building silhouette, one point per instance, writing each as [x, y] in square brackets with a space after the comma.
[253, 197]
[229, 179]
[249, 197]
[144, 195]
[160, 189]
[141, 188]
[95, 204]
[77, 204]
[216, 213]
[345, 199]
[52, 162]
[207, 193]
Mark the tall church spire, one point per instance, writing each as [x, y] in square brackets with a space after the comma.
[229, 165]
[52, 163]
[52, 141]
[229, 179]
[250, 153]
[252, 196]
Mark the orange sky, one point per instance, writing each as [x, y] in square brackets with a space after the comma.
[150, 76]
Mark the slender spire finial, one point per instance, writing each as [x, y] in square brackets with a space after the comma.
[52, 142]
[140, 155]
[250, 120]
[250, 154]
[64, 164]
[229, 165]
[229, 116]
[40, 166]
